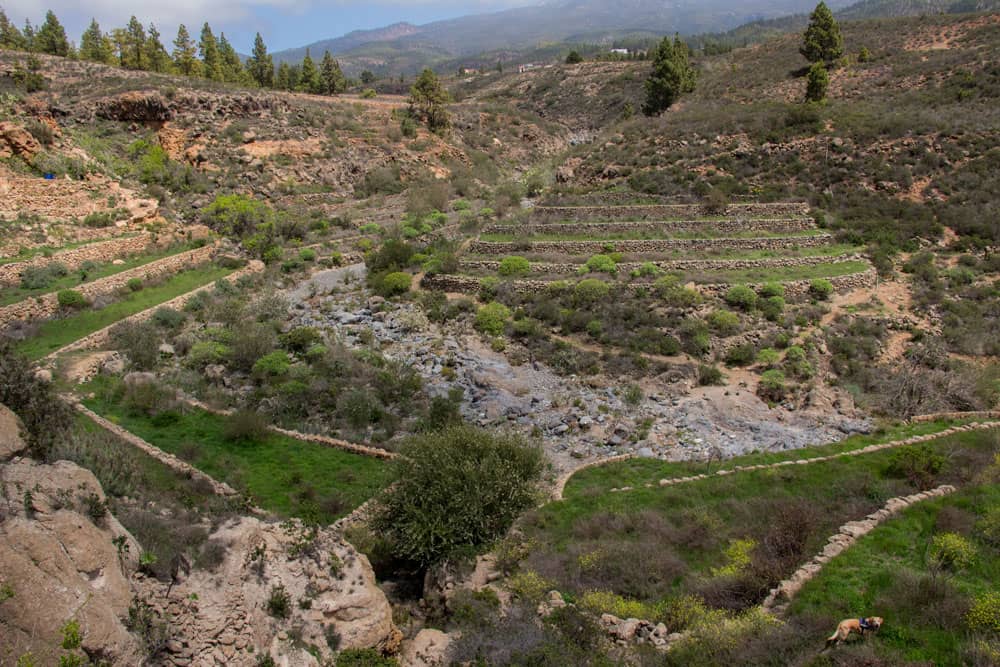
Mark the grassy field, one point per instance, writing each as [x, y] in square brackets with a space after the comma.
[649, 235]
[887, 573]
[281, 474]
[778, 273]
[657, 543]
[637, 472]
[56, 333]
[833, 250]
[74, 278]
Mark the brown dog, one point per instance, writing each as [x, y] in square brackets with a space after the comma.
[858, 625]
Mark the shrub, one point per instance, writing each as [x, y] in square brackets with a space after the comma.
[591, 290]
[772, 307]
[821, 289]
[245, 426]
[529, 585]
[307, 255]
[368, 94]
[742, 297]
[358, 407]
[301, 339]
[279, 603]
[951, 551]
[724, 322]
[168, 318]
[70, 298]
[205, 353]
[272, 365]
[134, 284]
[40, 277]
[985, 612]
[395, 283]
[919, 465]
[456, 491]
[768, 290]
[768, 357]
[601, 264]
[710, 375]
[138, 341]
[989, 527]
[514, 266]
[364, 657]
[772, 385]
[741, 355]
[491, 318]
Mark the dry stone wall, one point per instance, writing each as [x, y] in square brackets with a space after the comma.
[678, 265]
[47, 305]
[101, 336]
[649, 245]
[664, 211]
[846, 536]
[732, 226]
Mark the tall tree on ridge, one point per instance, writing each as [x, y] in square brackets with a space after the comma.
[51, 37]
[185, 53]
[822, 41]
[208, 47]
[260, 65]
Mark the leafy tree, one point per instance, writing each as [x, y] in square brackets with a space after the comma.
[232, 66]
[28, 35]
[156, 56]
[95, 45]
[456, 491]
[574, 58]
[817, 83]
[368, 78]
[309, 80]
[427, 101]
[51, 37]
[333, 80]
[185, 53]
[672, 76]
[10, 36]
[822, 41]
[283, 79]
[260, 65]
[208, 48]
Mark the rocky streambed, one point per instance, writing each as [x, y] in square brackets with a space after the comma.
[577, 420]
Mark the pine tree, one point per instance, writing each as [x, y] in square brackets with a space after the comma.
[672, 76]
[817, 83]
[95, 45]
[51, 37]
[28, 36]
[184, 53]
[332, 76]
[309, 80]
[134, 53]
[232, 66]
[157, 58]
[427, 101]
[283, 79]
[10, 36]
[368, 77]
[822, 41]
[208, 47]
[260, 65]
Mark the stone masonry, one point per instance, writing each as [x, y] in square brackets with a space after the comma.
[650, 245]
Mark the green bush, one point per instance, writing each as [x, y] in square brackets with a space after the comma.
[918, 464]
[591, 290]
[772, 385]
[279, 603]
[600, 264]
[395, 283]
[772, 307]
[768, 357]
[134, 284]
[456, 492]
[364, 657]
[821, 289]
[491, 318]
[244, 426]
[514, 266]
[275, 364]
[40, 277]
[710, 375]
[741, 355]
[207, 352]
[301, 339]
[951, 551]
[168, 318]
[985, 612]
[69, 298]
[768, 290]
[307, 255]
[742, 297]
[724, 322]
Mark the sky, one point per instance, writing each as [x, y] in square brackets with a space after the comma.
[283, 23]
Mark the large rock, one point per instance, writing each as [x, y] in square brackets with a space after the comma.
[135, 106]
[331, 590]
[17, 141]
[61, 565]
[428, 649]
[11, 442]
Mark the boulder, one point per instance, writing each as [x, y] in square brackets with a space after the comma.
[11, 442]
[17, 141]
[135, 106]
[427, 649]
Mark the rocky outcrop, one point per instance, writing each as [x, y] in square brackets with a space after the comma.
[59, 561]
[428, 649]
[11, 443]
[135, 106]
[15, 141]
[230, 616]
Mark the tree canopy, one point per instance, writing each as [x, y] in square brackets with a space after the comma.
[427, 101]
[671, 77]
[822, 41]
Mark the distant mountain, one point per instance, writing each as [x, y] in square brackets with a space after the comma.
[887, 8]
[351, 40]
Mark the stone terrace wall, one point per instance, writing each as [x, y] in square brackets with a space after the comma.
[649, 245]
[948, 416]
[785, 225]
[794, 289]
[679, 265]
[44, 306]
[664, 212]
[100, 252]
[101, 336]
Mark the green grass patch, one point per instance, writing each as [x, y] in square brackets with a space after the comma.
[887, 572]
[75, 278]
[638, 472]
[779, 273]
[57, 333]
[287, 476]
